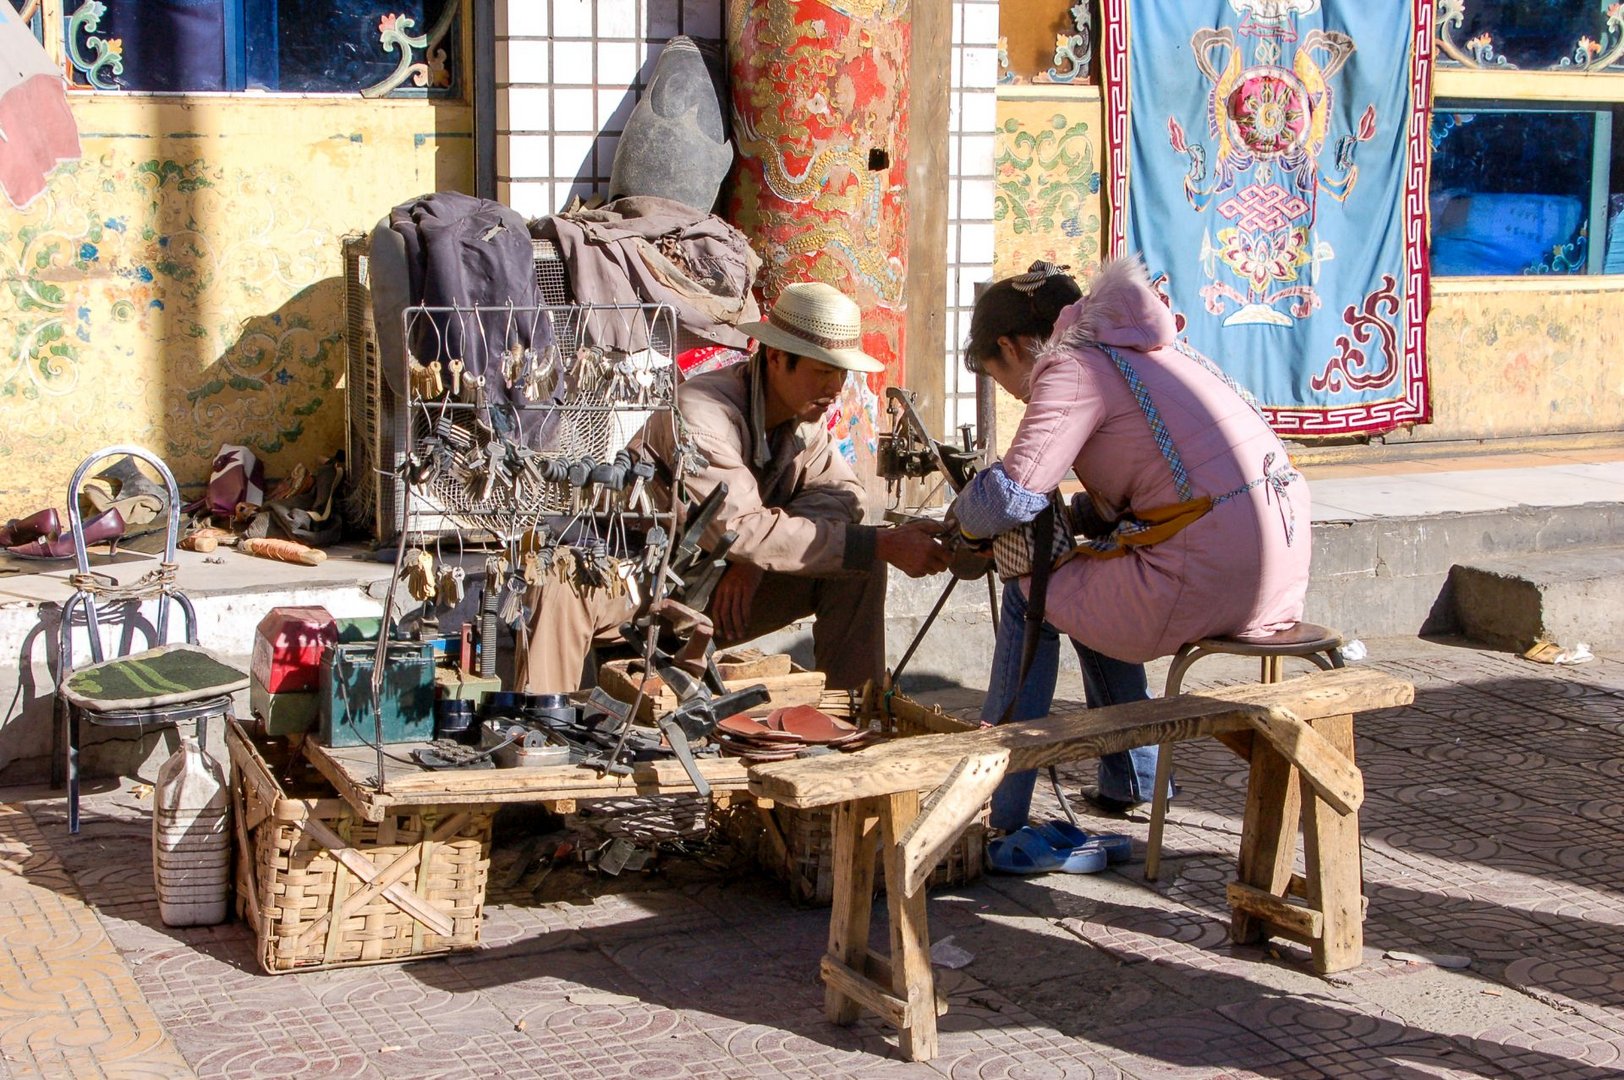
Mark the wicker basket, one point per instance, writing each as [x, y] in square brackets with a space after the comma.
[323, 888]
[797, 845]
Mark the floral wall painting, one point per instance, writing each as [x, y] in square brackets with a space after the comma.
[1553, 35]
[1047, 175]
[1045, 41]
[181, 292]
[1524, 364]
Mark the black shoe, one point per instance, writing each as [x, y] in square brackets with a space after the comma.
[1107, 805]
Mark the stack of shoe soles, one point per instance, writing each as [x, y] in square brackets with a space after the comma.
[793, 731]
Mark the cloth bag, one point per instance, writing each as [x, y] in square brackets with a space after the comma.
[1014, 553]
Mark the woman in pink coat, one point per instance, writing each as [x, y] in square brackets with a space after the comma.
[1196, 524]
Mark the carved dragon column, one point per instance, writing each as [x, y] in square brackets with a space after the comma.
[820, 116]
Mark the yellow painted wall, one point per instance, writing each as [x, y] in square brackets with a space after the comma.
[1519, 359]
[180, 286]
[1509, 359]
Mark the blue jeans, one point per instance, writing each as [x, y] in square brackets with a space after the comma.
[1127, 775]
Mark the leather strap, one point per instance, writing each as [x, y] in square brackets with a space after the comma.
[1042, 543]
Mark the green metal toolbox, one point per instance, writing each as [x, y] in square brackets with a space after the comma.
[348, 713]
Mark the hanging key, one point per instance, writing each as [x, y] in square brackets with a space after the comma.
[452, 585]
[637, 497]
[490, 469]
[419, 567]
[510, 608]
[423, 377]
[513, 358]
[626, 571]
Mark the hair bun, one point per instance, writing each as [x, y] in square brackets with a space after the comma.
[1035, 276]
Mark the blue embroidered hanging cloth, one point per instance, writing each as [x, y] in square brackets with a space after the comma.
[1268, 158]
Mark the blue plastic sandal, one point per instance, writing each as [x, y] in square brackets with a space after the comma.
[1022, 852]
[1028, 851]
[1066, 839]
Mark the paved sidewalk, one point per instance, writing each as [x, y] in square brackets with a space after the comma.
[1490, 835]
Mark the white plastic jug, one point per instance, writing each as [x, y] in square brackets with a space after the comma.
[191, 838]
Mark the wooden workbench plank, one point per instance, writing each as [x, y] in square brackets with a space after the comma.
[353, 771]
[923, 762]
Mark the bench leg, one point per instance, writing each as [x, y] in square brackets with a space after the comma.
[911, 977]
[855, 834]
[1268, 834]
[1331, 860]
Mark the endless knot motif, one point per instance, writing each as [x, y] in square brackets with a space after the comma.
[1263, 209]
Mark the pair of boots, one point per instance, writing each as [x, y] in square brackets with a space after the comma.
[309, 514]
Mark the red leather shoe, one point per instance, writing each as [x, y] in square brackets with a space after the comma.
[107, 528]
[22, 530]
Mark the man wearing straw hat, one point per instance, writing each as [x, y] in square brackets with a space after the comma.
[793, 503]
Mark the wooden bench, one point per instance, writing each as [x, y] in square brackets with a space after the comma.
[1293, 734]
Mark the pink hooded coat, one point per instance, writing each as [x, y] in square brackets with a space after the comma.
[1231, 572]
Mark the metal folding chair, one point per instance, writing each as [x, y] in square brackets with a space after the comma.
[165, 684]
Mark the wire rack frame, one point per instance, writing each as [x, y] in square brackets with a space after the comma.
[596, 373]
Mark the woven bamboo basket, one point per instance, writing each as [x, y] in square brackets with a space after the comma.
[797, 845]
[322, 888]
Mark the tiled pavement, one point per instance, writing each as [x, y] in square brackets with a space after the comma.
[69, 1005]
[1490, 834]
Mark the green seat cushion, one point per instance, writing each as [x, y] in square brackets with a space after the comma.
[167, 675]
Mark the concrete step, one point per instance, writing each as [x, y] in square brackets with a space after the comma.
[1391, 576]
[1560, 596]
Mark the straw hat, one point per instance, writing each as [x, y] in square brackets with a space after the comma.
[812, 319]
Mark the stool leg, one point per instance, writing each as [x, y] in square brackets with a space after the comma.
[911, 977]
[1158, 811]
[1182, 659]
[1268, 833]
[1331, 864]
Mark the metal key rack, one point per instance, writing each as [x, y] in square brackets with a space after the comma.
[508, 404]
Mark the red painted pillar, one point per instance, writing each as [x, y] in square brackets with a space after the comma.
[820, 116]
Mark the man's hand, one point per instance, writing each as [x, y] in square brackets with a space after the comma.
[732, 599]
[913, 548]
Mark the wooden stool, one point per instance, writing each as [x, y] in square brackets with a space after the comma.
[1318, 644]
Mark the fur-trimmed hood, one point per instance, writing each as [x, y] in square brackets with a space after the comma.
[1120, 308]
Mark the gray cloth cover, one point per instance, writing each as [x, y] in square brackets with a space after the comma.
[644, 249]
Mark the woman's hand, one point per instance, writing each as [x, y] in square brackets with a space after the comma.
[732, 599]
[968, 561]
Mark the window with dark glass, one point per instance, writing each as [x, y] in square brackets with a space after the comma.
[1523, 190]
[281, 46]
